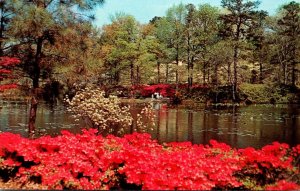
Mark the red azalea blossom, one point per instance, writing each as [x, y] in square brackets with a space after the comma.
[5, 63]
[166, 90]
[90, 161]
[283, 185]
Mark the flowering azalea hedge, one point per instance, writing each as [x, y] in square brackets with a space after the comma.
[5, 71]
[90, 161]
[166, 90]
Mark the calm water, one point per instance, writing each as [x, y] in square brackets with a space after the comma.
[255, 125]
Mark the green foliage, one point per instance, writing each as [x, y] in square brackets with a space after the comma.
[124, 49]
[237, 22]
[33, 22]
[258, 93]
[268, 93]
[38, 30]
[289, 30]
[77, 55]
[191, 44]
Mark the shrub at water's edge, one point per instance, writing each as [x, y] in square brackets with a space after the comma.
[106, 113]
[247, 93]
[91, 161]
[264, 93]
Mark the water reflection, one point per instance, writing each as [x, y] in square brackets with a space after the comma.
[254, 125]
[49, 120]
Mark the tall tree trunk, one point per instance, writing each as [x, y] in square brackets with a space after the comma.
[229, 73]
[260, 72]
[35, 83]
[293, 73]
[1, 32]
[260, 65]
[294, 70]
[215, 75]
[204, 72]
[236, 59]
[234, 83]
[208, 73]
[281, 57]
[177, 64]
[132, 73]
[116, 78]
[167, 73]
[284, 73]
[189, 62]
[138, 75]
[192, 72]
[116, 75]
[158, 72]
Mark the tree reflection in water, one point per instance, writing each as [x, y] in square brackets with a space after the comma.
[254, 125]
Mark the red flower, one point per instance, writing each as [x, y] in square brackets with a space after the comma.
[283, 185]
[90, 161]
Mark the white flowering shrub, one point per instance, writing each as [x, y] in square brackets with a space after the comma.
[145, 119]
[105, 113]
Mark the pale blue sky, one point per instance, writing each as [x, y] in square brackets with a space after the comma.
[145, 10]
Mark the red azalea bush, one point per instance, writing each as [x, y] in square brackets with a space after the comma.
[90, 161]
[5, 71]
[169, 90]
[269, 166]
[166, 90]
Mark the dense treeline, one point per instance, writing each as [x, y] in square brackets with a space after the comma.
[192, 44]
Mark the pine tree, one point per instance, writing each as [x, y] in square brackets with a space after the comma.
[290, 23]
[257, 36]
[37, 23]
[237, 23]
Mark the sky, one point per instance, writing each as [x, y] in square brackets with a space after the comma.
[145, 10]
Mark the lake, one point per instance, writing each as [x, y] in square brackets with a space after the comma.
[240, 127]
